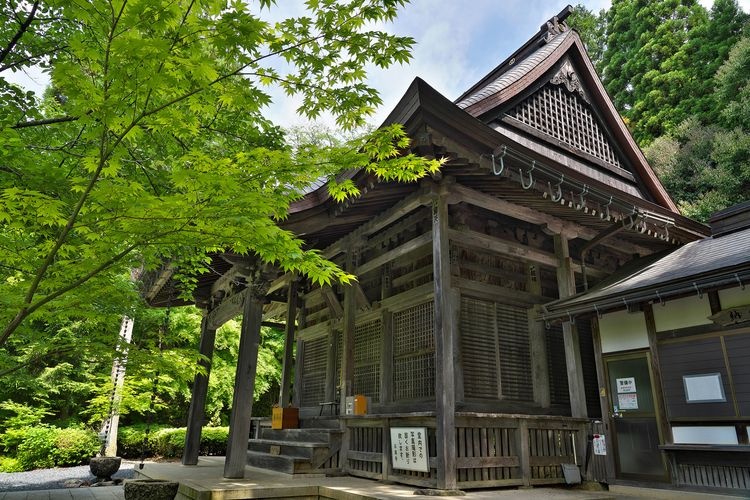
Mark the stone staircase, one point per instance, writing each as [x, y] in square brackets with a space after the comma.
[308, 450]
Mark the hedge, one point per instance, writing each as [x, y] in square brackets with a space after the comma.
[168, 441]
[44, 447]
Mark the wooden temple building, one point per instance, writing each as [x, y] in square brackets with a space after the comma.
[471, 382]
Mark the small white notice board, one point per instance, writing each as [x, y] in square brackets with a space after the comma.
[409, 449]
[600, 444]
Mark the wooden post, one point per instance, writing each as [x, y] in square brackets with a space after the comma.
[386, 359]
[601, 377]
[665, 430]
[524, 451]
[566, 285]
[244, 381]
[537, 341]
[302, 319]
[196, 412]
[330, 387]
[110, 426]
[286, 371]
[350, 313]
[445, 329]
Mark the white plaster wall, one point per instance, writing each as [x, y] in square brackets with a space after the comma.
[622, 331]
[682, 313]
[734, 297]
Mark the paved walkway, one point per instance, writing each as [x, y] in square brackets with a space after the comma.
[96, 493]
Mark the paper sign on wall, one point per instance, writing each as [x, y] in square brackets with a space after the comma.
[600, 444]
[628, 401]
[409, 449]
[625, 385]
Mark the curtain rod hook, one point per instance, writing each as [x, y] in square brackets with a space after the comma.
[558, 187]
[606, 207]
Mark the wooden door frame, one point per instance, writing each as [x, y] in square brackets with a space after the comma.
[658, 416]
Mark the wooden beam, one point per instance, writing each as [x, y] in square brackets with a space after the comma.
[228, 308]
[362, 301]
[286, 369]
[244, 381]
[566, 286]
[397, 252]
[553, 224]
[445, 328]
[405, 206]
[601, 378]
[333, 303]
[386, 360]
[197, 409]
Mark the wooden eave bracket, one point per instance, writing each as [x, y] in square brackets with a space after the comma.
[332, 301]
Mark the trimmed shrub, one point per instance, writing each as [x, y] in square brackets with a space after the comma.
[169, 442]
[10, 464]
[130, 440]
[75, 446]
[37, 450]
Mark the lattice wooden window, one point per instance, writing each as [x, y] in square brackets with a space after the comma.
[495, 348]
[414, 353]
[368, 339]
[314, 360]
[558, 113]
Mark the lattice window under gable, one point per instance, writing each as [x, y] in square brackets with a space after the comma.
[414, 352]
[315, 355]
[560, 114]
[368, 339]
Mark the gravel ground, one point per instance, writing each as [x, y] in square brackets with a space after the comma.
[50, 479]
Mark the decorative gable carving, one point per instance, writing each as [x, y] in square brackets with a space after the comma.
[561, 111]
[567, 76]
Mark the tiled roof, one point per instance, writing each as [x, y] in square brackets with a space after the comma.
[516, 72]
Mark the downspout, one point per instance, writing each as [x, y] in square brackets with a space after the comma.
[607, 233]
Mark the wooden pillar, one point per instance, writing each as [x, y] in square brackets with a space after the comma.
[566, 285]
[537, 342]
[196, 412]
[655, 366]
[244, 381]
[348, 323]
[601, 377]
[302, 320]
[386, 359]
[286, 370]
[110, 426]
[445, 330]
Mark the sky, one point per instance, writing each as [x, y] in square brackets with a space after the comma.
[458, 42]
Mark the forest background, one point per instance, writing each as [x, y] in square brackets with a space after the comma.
[678, 73]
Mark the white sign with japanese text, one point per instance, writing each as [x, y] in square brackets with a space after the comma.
[626, 385]
[409, 448]
[600, 444]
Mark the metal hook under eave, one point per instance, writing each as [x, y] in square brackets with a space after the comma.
[531, 178]
[581, 200]
[502, 162]
[598, 314]
[661, 301]
[570, 318]
[557, 197]
[737, 277]
[700, 294]
[606, 208]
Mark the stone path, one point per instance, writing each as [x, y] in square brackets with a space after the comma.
[96, 493]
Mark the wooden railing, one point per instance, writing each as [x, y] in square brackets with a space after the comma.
[492, 449]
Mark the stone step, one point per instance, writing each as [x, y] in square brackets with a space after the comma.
[300, 449]
[279, 463]
[296, 435]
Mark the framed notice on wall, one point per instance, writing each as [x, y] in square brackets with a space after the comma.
[704, 388]
[409, 448]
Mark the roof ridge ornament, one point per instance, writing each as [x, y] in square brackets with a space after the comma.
[567, 76]
[555, 26]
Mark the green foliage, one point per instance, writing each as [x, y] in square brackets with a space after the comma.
[592, 28]
[75, 446]
[169, 441]
[37, 449]
[151, 144]
[10, 464]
